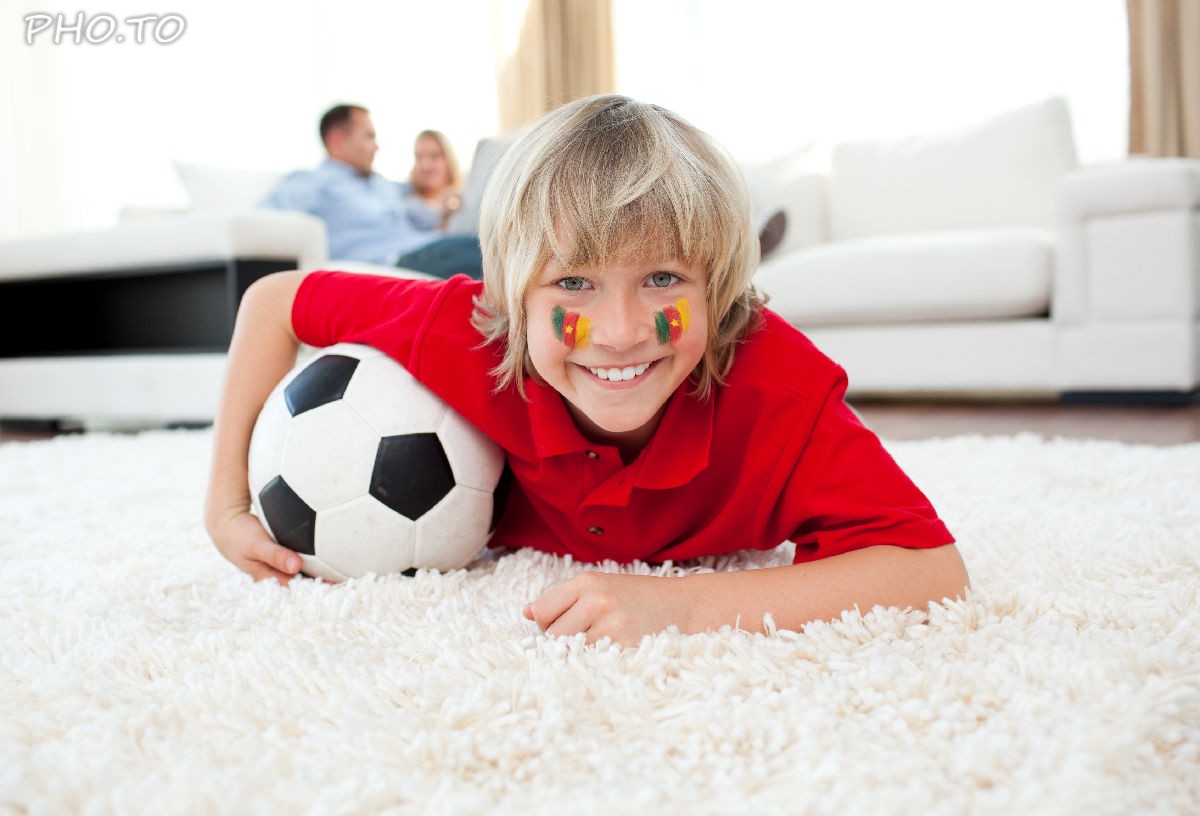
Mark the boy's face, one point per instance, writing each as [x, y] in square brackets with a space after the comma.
[617, 342]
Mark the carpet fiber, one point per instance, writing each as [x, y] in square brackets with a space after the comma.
[140, 673]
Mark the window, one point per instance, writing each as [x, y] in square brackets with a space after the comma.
[768, 76]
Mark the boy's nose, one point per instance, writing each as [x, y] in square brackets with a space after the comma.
[622, 323]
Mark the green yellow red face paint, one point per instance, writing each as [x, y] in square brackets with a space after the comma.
[570, 328]
[672, 321]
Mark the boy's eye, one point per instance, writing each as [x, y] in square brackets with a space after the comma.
[662, 280]
[573, 284]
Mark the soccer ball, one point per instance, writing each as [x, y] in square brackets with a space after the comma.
[359, 468]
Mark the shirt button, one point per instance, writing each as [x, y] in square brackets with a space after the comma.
[593, 455]
[596, 530]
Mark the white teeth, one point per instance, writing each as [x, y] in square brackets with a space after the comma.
[620, 374]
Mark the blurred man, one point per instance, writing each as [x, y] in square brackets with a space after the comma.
[364, 213]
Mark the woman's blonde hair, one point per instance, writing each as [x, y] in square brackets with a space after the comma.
[601, 177]
[447, 150]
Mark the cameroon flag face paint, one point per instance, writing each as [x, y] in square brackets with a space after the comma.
[570, 327]
[672, 321]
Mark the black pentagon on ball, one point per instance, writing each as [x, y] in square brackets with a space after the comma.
[500, 495]
[412, 473]
[291, 520]
[323, 380]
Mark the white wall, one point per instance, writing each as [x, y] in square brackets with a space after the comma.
[87, 129]
[766, 76]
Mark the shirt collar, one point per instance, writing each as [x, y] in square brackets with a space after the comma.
[679, 448]
[331, 165]
[675, 455]
[554, 432]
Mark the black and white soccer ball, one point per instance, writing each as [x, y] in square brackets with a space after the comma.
[359, 468]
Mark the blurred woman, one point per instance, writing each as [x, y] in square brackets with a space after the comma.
[434, 185]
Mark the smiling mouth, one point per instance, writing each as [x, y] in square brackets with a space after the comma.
[620, 374]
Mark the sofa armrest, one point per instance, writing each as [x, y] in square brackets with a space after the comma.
[192, 238]
[1128, 243]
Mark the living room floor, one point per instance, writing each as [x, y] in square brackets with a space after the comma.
[1134, 424]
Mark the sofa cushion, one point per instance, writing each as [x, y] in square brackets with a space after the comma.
[920, 277]
[996, 173]
[225, 188]
[465, 220]
[794, 184]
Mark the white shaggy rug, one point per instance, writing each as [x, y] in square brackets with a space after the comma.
[140, 673]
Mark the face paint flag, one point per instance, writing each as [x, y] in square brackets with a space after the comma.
[672, 321]
[570, 328]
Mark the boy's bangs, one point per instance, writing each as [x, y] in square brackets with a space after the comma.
[595, 236]
[607, 203]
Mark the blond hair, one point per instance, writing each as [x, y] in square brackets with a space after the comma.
[601, 177]
[452, 165]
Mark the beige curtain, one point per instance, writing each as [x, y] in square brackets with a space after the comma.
[565, 53]
[1164, 63]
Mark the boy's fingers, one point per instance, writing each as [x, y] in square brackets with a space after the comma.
[275, 556]
[260, 572]
[551, 606]
[572, 621]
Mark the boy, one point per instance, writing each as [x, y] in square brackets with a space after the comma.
[649, 406]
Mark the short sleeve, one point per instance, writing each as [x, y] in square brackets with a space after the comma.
[385, 312]
[846, 492]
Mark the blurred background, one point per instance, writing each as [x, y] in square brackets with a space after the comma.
[89, 129]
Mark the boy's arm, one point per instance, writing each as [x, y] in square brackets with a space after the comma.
[626, 607]
[261, 352]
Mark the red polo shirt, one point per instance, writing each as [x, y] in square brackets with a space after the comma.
[774, 455]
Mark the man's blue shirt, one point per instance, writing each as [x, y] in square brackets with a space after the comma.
[365, 217]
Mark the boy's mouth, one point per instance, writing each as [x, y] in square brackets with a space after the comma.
[620, 374]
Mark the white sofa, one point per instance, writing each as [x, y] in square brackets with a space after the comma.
[127, 326]
[982, 262]
[985, 262]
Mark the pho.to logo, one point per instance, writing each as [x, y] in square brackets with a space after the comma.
[163, 29]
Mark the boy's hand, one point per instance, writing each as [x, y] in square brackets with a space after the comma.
[621, 607]
[246, 543]
[625, 607]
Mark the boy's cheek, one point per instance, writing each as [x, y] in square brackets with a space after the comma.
[544, 353]
[541, 342]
